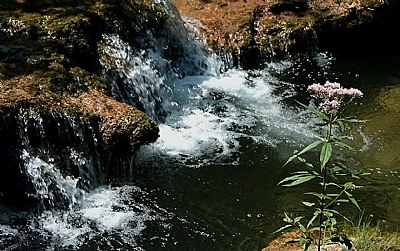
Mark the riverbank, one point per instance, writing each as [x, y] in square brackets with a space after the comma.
[256, 31]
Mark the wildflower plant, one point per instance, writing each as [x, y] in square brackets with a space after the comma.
[322, 227]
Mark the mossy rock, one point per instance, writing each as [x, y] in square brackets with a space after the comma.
[50, 71]
[50, 48]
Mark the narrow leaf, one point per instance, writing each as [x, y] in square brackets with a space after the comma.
[302, 228]
[351, 198]
[290, 178]
[282, 228]
[333, 184]
[301, 172]
[332, 211]
[320, 196]
[297, 219]
[342, 200]
[312, 220]
[314, 229]
[341, 124]
[308, 204]
[311, 146]
[327, 214]
[343, 145]
[299, 181]
[290, 159]
[320, 114]
[352, 120]
[325, 155]
[296, 178]
[338, 213]
[306, 149]
[333, 194]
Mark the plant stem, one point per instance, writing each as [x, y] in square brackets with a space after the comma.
[324, 177]
[322, 209]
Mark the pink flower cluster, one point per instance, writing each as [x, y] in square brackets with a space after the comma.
[332, 94]
[333, 89]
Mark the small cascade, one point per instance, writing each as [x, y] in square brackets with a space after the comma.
[144, 77]
[50, 188]
[136, 81]
[207, 113]
[58, 160]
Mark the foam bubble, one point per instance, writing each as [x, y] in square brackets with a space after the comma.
[213, 113]
[102, 213]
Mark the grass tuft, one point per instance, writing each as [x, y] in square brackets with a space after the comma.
[368, 237]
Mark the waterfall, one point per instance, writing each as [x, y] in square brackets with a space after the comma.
[145, 77]
[51, 142]
[206, 110]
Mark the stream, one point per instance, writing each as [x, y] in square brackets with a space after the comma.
[210, 181]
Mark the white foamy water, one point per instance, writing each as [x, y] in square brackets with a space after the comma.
[115, 213]
[49, 184]
[211, 114]
[203, 117]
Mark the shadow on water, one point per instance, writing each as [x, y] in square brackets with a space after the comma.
[234, 204]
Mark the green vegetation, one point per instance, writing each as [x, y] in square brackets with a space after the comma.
[368, 237]
[322, 227]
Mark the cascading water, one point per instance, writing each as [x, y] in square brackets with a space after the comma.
[208, 182]
[203, 114]
[204, 118]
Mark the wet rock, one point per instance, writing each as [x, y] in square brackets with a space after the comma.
[58, 119]
[85, 137]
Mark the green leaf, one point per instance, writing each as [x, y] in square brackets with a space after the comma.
[341, 124]
[327, 214]
[306, 149]
[333, 184]
[333, 211]
[320, 114]
[351, 198]
[297, 219]
[301, 172]
[336, 168]
[290, 159]
[314, 229]
[325, 155]
[287, 218]
[338, 213]
[296, 180]
[352, 120]
[343, 145]
[342, 200]
[312, 220]
[311, 146]
[282, 228]
[302, 228]
[333, 194]
[319, 196]
[308, 204]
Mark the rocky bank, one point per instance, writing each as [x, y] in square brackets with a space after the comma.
[256, 31]
[56, 100]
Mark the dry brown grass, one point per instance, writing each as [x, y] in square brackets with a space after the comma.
[224, 20]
